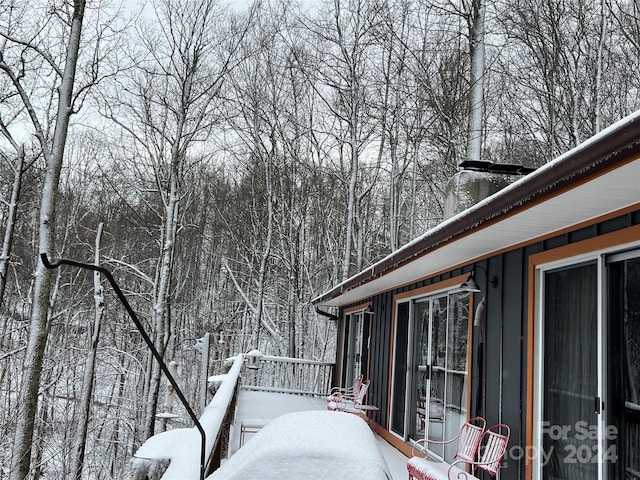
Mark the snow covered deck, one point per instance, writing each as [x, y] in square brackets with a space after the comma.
[256, 409]
[314, 433]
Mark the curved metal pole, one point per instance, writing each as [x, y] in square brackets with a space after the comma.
[87, 266]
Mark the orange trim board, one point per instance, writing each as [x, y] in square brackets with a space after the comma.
[594, 245]
[356, 308]
[392, 440]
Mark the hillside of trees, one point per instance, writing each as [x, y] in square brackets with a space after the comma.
[230, 162]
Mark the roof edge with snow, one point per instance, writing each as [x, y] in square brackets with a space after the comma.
[603, 151]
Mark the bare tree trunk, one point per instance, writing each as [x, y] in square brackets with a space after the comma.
[359, 225]
[412, 212]
[266, 252]
[7, 241]
[21, 458]
[394, 194]
[575, 113]
[292, 290]
[351, 194]
[161, 307]
[170, 397]
[80, 437]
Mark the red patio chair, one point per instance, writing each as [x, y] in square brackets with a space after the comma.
[468, 438]
[348, 402]
[337, 391]
[492, 449]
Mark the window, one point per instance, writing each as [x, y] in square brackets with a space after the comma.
[356, 340]
[429, 390]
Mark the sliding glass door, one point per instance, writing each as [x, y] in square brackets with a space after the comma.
[589, 370]
[429, 390]
[623, 418]
[571, 375]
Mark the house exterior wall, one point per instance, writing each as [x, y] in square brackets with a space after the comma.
[506, 366]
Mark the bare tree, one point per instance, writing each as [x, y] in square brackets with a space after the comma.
[627, 16]
[15, 156]
[18, 167]
[166, 108]
[43, 52]
[559, 75]
[53, 151]
[80, 437]
[406, 40]
[344, 33]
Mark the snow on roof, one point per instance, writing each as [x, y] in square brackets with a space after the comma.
[310, 445]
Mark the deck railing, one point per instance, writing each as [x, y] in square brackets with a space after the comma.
[287, 375]
[252, 371]
[166, 456]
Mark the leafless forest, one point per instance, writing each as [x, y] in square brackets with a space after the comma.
[230, 162]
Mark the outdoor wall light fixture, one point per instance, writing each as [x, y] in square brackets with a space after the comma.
[470, 284]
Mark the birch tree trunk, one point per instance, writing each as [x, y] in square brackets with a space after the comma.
[28, 404]
[80, 437]
[354, 159]
[7, 241]
[162, 327]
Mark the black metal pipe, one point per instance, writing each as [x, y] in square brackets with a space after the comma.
[331, 316]
[87, 266]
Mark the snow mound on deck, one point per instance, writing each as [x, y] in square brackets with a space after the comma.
[310, 445]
